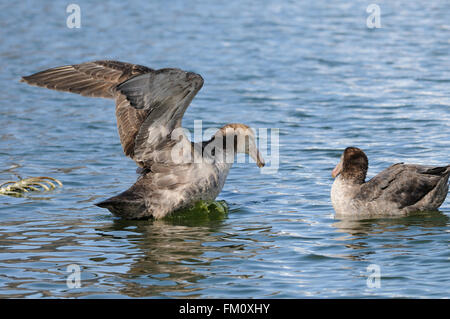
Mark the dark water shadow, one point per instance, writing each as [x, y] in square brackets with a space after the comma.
[172, 254]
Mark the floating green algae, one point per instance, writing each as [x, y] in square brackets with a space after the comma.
[200, 212]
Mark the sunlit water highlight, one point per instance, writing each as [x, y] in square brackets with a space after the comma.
[312, 69]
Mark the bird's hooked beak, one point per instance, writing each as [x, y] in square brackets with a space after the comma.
[260, 160]
[337, 170]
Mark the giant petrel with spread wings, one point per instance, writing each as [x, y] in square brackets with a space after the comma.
[149, 108]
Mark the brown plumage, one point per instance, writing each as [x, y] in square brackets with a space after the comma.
[398, 190]
[355, 165]
[150, 105]
[101, 79]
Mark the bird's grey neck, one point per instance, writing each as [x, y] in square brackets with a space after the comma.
[218, 149]
[343, 189]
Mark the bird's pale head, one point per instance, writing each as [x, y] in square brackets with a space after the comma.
[241, 139]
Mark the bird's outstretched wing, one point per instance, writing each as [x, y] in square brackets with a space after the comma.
[163, 95]
[94, 79]
[149, 103]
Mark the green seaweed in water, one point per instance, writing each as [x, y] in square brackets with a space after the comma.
[201, 211]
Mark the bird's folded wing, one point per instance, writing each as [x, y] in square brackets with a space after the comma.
[402, 184]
